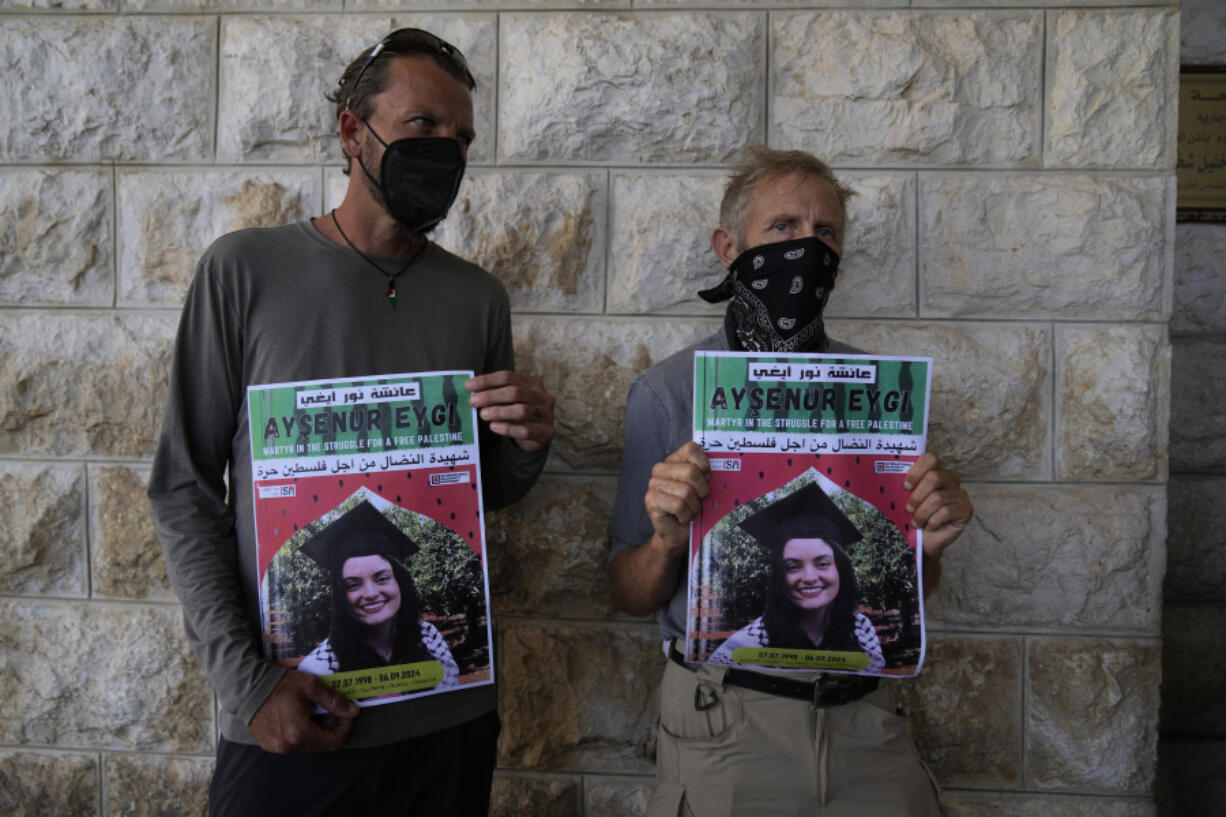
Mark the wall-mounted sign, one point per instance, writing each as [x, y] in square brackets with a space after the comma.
[1202, 144]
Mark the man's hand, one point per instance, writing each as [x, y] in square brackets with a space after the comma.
[284, 724]
[515, 405]
[675, 493]
[645, 577]
[938, 505]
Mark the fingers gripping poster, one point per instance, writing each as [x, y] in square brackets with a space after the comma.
[803, 555]
[370, 534]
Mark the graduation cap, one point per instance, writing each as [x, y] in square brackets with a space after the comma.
[803, 514]
[362, 531]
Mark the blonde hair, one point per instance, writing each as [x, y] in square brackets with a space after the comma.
[758, 163]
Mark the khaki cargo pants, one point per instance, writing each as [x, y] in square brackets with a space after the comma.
[757, 755]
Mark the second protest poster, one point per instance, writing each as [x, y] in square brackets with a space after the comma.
[370, 535]
[803, 556]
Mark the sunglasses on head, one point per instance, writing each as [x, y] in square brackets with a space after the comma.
[412, 41]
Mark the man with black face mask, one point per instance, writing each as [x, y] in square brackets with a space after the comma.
[742, 744]
[358, 293]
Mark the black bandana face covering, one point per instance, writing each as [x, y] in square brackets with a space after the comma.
[419, 179]
[778, 292]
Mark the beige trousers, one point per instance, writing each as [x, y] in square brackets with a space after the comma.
[757, 755]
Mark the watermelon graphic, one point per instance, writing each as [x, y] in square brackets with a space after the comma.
[279, 519]
[867, 477]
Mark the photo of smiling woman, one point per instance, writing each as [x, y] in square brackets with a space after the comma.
[376, 615]
[812, 599]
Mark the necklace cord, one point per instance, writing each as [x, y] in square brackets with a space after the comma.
[391, 276]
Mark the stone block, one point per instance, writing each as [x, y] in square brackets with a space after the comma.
[541, 234]
[548, 552]
[64, 784]
[578, 696]
[59, 5]
[533, 795]
[1044, 246]
[630, 88]
[168, 218]
[1191, 778]
[966, 711]
[1092, 714]
[275, 71]
[157, 786]
[991, 387]
[1052, 557]
[588, 366]
[1194, 671]
[55, 238]
[1202, 32]
[1112, 88]
[618, 796]
[666, 4]
[1198, 405]
[877, 271]
[1028, 804]
[491, 5]
[899, 88]
[101, 676]
[1112, 413]
[42, 529]
[85, 383]
[154, 105]
[214, 6]
[1031, 3]
[1196, 541]
[125, 556]
[1200, 279]
[660, 243]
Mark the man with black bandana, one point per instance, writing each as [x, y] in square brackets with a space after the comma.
[358, 293]
[743, 744]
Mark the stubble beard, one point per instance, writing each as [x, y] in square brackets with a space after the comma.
[372, 173]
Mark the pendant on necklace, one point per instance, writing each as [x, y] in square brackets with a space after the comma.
[391, 293]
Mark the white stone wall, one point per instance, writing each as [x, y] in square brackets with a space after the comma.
[1015, 220]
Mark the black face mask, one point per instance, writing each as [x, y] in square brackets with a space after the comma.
[418, 179]
[778, 292]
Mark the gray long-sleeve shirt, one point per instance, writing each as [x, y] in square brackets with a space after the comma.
[287, 304]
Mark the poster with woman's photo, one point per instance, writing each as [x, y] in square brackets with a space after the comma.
[803, 556]
[370, 533]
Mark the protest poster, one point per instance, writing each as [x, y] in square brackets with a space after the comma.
[802, 555]
[370, 533]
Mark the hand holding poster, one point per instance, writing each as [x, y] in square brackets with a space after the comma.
[803, 555]
[370, 537]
